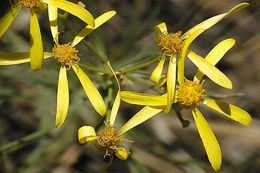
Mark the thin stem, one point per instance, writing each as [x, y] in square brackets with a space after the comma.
[223, 96]
[95, 68]
[137, 66]
[185, 123]
[24, 141]
[146, 83]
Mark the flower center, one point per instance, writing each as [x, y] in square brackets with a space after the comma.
[109, 137]
[66, 55]
[30, 3]
[170, 43]
[190, 93]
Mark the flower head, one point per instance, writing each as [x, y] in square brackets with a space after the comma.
[175, 47]
[170, 43]
[190, 94]
[36, 49]
[67, 57]
[109, 138]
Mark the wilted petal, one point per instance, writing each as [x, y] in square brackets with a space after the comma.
[8, 18]
[73, 9]
[216, 54]
[62, 97]
[141, 116]
[171, 83]
[208, 139]
[18, 57]
[213, 20]
[162, 80]
[88, 29]
[144, 99]
[91, 91]
[122, 153]
[157, 72]
[209, 70]
[36, 49]
[229, 110]
[86, 134]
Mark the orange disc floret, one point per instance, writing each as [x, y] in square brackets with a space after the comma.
[190, 93]
[30, 3]
[66, 55]
[170, 43]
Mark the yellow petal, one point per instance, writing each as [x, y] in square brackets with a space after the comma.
[160, 29]
[73, 9]
[213, 20]
[91, 91]
[208, 139]
[157, 72]
[163, 79]
[209, 70]
[116, 104]
[8, 18]
[86, 134]
[216, 54]
[115, 108]
[18, 57]
[229, 110]
[143, 99]
[171, 83]
[114, 73]
[181, 60]
[141, 116]
[36, 50]
[88, 29]
[62, 97]
[122, 153]
[53, 18]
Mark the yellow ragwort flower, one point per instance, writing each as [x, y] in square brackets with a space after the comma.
[67, 57]
[36, 49]
[190, 95]
[108, 138]
[175, 46]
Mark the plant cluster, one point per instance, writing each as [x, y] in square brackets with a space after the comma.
[178, 92]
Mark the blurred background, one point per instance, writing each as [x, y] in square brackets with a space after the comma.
[30, 143]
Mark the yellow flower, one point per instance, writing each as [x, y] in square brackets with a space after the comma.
[109, 138]
[175, 46]
[189, 95]
[68, 57]
[36, 49]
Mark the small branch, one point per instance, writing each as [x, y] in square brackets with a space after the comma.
[223, 96]
[146, 83]
[185, 123]
[24, 141]
[137, 66]
[95, 68]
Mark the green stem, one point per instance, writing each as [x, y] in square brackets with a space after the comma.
[95, 68]
[223, 96]
[24, 141]
[146, 83]
[137, 66]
